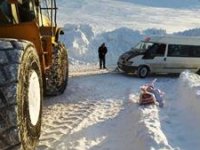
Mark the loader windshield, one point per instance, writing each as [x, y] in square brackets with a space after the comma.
[5, 12]
[22, 12]
[27, 11]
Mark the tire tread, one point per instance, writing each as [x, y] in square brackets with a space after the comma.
[53, 85]
[9, 63]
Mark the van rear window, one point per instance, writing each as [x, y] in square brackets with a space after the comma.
[183, 51]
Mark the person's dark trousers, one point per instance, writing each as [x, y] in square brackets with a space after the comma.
[102, 62]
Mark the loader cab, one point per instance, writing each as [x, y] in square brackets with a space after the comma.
[15, 12]
[27, 11]
[34, 21]
[5, 13]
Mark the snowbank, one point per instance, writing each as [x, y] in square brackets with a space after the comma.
[159, 130]
[148, 131]
[83, 42]
[190, 32]
[189, 94]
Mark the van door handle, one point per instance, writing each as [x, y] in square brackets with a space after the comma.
[165, 59]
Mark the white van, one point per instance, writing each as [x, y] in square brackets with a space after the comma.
[165, 54]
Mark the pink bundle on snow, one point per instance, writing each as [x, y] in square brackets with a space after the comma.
[151, 95]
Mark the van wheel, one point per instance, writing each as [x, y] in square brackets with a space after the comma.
[57, 75]
[20, 95]
[143, 71]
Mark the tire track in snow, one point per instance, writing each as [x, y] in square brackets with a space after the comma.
[61, 120]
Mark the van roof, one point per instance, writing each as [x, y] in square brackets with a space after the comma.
[182, 40]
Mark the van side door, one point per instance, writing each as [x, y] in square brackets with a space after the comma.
[154, 57]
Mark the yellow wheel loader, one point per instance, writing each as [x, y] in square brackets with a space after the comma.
[33, 63]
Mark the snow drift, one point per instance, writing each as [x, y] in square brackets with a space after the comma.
[156, 127]
[83, 42]
[189, 99]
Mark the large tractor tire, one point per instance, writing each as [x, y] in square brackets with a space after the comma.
[57, 75]
[21, 95]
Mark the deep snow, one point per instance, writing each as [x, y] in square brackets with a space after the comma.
[99, 110]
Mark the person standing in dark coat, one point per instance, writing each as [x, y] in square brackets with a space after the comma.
[102, 56]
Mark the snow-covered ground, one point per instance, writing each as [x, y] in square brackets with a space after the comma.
[99, 109]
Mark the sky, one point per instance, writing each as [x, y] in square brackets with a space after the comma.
[175, 16]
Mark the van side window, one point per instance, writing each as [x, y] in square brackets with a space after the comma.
[161, 50]
[155, 50]
[195, 51]
[183, 51]
[173, 50]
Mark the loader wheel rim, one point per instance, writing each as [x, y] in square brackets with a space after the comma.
[34, 98]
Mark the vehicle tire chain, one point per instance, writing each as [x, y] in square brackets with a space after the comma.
[10, 54]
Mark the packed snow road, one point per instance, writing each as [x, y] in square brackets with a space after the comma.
[99, 111]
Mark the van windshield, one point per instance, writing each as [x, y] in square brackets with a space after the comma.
[142, 46]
